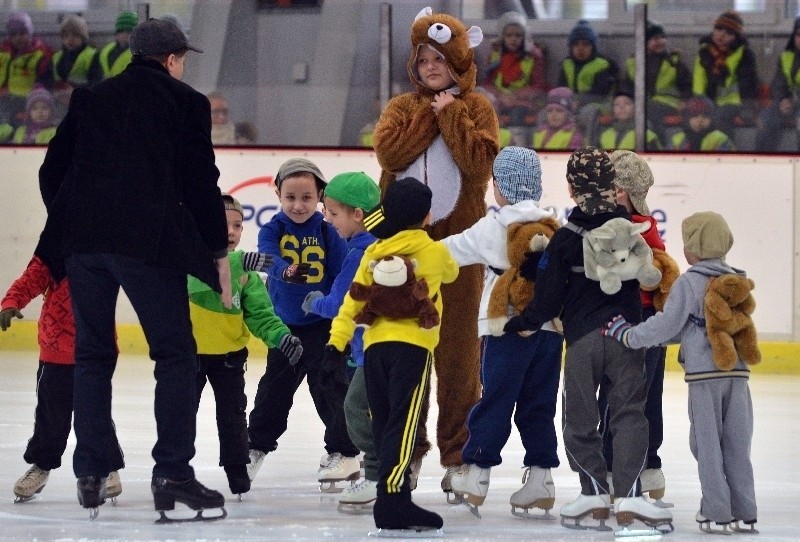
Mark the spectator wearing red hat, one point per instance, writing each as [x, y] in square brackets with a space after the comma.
[700, 133]
[725, 72]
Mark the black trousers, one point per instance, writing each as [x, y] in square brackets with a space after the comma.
[225, 373]
[276, 389]
[53, 419]
[397, 376]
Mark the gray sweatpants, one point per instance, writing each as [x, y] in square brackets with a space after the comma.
[721, 415]
[587, 360]
[359, 423]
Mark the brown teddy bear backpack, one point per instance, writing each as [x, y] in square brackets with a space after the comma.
[729, 305]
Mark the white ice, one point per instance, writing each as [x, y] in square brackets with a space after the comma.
[285, 503]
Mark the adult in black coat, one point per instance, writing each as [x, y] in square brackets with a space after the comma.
[130, 175]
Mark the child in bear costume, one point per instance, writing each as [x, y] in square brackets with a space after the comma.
[446, 135]
[720, 407]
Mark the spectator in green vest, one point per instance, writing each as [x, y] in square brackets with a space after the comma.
[725, 72]
[74, 65]
[783, 113]
[558, 132]
[668, 81]
[115, 56]
[515, 74]
[40, 119]
[699, 132]
[23, 61]
[621, 135]
[591, 76]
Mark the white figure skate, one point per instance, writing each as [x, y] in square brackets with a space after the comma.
[358, 498]
[113, 486]
[256, 461]
[470, 486]
[447, 486]
[628, 509]
[584, 506]
[707, 526]
[30, 484]
[748, 528]
[653, 484]
[538, 491]
[339, 469]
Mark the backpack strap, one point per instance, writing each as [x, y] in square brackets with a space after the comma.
[582, 232]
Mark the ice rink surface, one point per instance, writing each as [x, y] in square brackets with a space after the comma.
[285, 503]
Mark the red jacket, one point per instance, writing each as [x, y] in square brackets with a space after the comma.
[653, 240]
[56, 322]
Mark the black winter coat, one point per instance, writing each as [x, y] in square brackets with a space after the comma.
[131, 172]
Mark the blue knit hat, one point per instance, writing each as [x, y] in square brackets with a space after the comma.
[582, 31]
[518, 174]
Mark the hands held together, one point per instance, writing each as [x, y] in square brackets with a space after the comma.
[618, 329]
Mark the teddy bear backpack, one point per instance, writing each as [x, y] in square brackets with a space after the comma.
[728, 306]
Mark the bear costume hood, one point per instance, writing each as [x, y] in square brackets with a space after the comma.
[450, 38]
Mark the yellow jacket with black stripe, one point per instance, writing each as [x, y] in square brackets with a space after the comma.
[434, 264]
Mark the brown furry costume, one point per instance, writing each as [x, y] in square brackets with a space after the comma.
[408, 142]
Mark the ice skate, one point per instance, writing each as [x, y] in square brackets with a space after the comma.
[113, 486]
[595, 506]
[92, 493]
[339, 469]
[538, 491]
[413, 475]
[653, 484]
[629, 509]
[256, 461]
[396, 516]
[748, 528]
[357, 499]
[238, 479]
[707, 526]
[447, 486]
[30, 484]
[470, 486]
[190, 492]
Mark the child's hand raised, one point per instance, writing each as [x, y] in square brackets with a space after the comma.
[441, 100]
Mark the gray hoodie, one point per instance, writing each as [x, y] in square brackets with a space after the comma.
[678, 322]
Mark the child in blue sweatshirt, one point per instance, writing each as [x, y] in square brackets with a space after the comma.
[308, 255]
[348, 197]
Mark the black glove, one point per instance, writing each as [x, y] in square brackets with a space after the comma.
[297, 273]
[291, 348]
[256, 261]
[521, 322]
[6, 315]
[332, 362]
[529, 265]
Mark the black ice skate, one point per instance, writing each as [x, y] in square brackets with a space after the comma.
[397, 517]
[238, 479]
[189, 492]
[91, 493]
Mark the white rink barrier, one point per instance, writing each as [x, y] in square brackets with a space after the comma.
[758, 195]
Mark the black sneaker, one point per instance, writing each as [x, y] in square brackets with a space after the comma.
[91, 491]
[189, 492]
[238, 480]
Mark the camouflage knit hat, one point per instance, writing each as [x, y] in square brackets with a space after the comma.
[590, 173]
[634, 177]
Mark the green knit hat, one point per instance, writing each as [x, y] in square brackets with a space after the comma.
[126, 21]
[356, 189]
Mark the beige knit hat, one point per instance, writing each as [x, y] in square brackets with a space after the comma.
[75, 24]
[634, 177]
[706, 235]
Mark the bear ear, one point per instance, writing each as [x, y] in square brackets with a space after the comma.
[424, 12]
[474, 35]
[642, 227]
[604, 232]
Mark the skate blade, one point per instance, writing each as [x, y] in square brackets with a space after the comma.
[452, 498]
[706, 528]
[330, 487]
[747, 529]
[406, 533]
[356, 509]
[198, 516]
[521, 512]
[583, 527]
[93, 513]
[22, 500]
[643, 534]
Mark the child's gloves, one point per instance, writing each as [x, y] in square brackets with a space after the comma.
[256, 261]
[6, 315]
[297, 273]
[519, 323]
[331, 362]
[290, 347]
[309, 300]
[618, 328]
